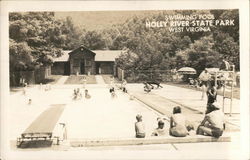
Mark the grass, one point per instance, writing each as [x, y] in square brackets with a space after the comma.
[107, 77]
[52, 79]
[236, 90]
[73, 79]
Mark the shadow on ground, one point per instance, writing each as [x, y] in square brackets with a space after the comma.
[36, 144]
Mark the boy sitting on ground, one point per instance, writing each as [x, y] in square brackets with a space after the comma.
[160, 130]
[139, 127]
[213, 123]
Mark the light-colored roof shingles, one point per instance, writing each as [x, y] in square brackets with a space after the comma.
[106, 55]
[63, 58]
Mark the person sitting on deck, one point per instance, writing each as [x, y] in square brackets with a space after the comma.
[157, 83]
[87, 95]
[160, 130]
[139, 127]
[213, 123]
[146, 87]
[178, 127]
[191, 81]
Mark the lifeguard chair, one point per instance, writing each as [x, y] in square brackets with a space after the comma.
[225, 77]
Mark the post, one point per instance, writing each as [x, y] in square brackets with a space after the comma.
[122, 74]
[215, 80]
[231, 102]
[232, 90]
[223, 102]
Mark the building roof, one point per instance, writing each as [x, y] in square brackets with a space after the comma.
[107, 55]
[101, 55]
[64, 57]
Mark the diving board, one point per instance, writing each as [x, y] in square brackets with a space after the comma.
[43, 126]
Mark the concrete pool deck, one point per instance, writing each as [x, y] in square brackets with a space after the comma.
[164, 99]
[104, 117]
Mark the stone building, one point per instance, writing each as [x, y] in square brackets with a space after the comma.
[85, 61]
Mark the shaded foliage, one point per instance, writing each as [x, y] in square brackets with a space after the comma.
[37, 37]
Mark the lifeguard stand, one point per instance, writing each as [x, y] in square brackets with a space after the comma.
[231, 78]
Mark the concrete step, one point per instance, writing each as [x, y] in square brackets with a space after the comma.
[147, 140]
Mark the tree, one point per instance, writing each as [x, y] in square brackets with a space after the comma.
[35, 38]
[71, 34]
[227, 47]
[201, 54]
[93, 40]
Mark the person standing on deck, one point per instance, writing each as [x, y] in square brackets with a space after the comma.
[84, 81]
[204, 78]
[211, 96]
[225, 65]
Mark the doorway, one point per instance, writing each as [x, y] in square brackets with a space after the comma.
[82, 68]
[98, 68]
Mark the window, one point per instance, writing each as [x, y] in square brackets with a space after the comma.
[88, 62]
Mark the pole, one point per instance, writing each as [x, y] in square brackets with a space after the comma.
[232, 89]
[215, 80]
[122, 74]
[224, 89]
[231, 102]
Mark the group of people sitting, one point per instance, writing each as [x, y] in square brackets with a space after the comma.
[211, 125]
[194, 82]
[78, 95]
